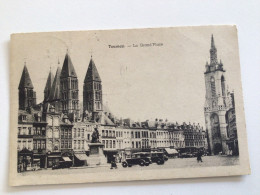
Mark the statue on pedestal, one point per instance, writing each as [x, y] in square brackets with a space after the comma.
[95, 136]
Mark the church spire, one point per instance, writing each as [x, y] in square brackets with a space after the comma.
[213, 52]
[68, 68]
[92, 72]
[25, 81]
[27, 97]
[55, 88]
[48, 86]
[212, 42]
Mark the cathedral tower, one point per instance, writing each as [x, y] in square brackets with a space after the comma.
[27, 96]
[92, 91]
[217, 103]
[69, 88]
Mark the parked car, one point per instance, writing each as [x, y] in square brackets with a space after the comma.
[158, 157]
[140, 158]
[186, 155]
[61, 165]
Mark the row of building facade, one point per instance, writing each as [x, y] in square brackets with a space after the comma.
[55, 130]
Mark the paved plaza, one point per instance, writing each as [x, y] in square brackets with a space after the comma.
[208, 161]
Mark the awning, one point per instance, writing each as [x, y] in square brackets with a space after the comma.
[171, 151]
[66, 159]
[81, 156]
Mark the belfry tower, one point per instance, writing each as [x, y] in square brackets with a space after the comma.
[69, 88]
[27, 96]
[92, 91]
[217, 103]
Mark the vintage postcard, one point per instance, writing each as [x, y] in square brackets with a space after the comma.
[122, 105]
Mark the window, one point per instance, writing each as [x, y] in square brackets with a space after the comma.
[110, 144]
[75, 132]
[62, 143]
[78, 132]
[66, 133]
[75, 143]
[213, 87]
[66, 143]
[43, 144]
[78, 144]
[24, 130]
[62, 133]
[38, 144]
[24, 144]
[82, 133]
[43, 131]
[223, 85]
[69, 133]
[34, 145]
[19, 130]
[88, 136]
[38, 131]
[82, 144]
[29, 130]
[114, 144]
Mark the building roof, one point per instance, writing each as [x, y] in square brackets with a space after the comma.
[25, 81]
[104, 120]
[55, 89]
[92, 72]
[68, 68]
[48, 85]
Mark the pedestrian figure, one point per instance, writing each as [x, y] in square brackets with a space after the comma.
[199, 159]
[113, 162]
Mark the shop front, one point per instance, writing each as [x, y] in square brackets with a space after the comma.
[25, 160]
[80, 159]
[53, 159]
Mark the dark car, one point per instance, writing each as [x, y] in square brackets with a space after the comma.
[62, 165]
[158, 157]
[186, 155]
[140, 158]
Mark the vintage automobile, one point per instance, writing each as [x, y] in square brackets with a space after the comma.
[158, 157]
[186, 155]
[140, 158]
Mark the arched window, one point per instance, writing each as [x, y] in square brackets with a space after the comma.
[223, 85]
[213, 86]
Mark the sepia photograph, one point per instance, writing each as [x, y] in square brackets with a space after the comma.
[122, 105]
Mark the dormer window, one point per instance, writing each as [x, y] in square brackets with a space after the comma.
[24, 117]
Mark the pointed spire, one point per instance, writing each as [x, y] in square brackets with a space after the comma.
[212, 42]
[68, 68]
[213, 52]
[25, 81]
[92, 72]
[48, 86]
[55, 89]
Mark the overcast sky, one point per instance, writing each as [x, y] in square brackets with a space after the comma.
[141, 83]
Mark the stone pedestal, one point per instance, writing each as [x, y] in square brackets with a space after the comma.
[96, 155]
